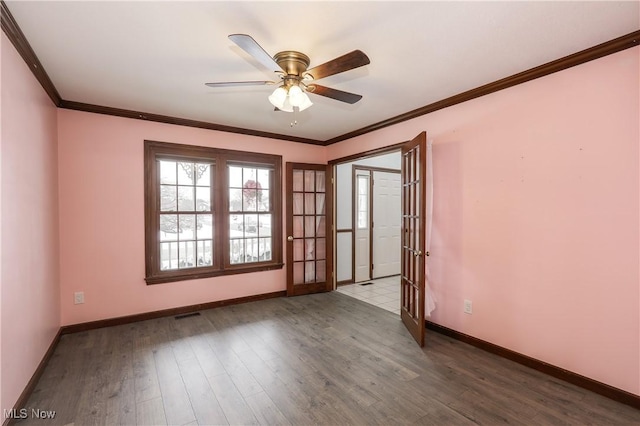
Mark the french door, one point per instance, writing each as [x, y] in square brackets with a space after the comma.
[309, 240]
[413, 176]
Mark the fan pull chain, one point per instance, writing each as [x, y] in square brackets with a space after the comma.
[295, 120]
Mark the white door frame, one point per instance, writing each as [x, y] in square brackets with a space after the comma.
[361, 228]
[360, 251]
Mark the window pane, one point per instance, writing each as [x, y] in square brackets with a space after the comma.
[320, 182]
[298, 250]
[187, 225]
[265, 249]
[204, 230]
[235, 177]
[362, 203]
[203, 175]
[264, 230]
[168, 227]
[236, 251]
[168, 172]
[205, 254]
[298, 179]
[186, 200]
[186, 173]
[320, 226]
[320, 203]
[187, 252]
[309, 180]
[298, 273]
[236, 226]
[263, 200]
[309, 204]
[321, 248]
[309, 272]
[362, 220]
[250, 225]
[309, 226]
[251, 252]
[321, 271]
[264, 177]
[168, 198]
[298, 200]
[249, 199]
[309, 249]
[363, 185]
[235, 200]
[168, 256]
[203, 198]
[298, 226]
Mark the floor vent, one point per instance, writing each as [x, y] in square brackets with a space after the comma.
[369, 283]
[194, 314]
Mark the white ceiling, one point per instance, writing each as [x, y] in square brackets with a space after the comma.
[156, 56]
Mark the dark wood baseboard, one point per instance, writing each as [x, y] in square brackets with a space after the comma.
[26, 393]
[75, 328]
[557, 372]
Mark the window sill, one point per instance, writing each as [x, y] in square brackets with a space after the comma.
[233, 270]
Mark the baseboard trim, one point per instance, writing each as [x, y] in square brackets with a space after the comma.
[31, 385]
[85, 326]
[557, 372]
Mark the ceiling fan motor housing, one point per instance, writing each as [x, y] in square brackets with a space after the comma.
[294, 65]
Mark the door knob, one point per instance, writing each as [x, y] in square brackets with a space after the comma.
[289, 238]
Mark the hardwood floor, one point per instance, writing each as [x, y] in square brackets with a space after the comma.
[318, 359]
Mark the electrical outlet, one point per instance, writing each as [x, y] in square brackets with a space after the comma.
[468, 308]
[78, 297]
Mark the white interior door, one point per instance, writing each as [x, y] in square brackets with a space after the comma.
[362, 230]
[386, 224]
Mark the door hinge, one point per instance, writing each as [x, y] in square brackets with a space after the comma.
[331, 181]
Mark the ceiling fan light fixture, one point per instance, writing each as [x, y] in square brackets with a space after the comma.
[278, 98]
[296, 97]
[306, 103]
[286, 106]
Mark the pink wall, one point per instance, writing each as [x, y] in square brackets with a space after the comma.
[30, 312]
[102, 216]
[536, 216]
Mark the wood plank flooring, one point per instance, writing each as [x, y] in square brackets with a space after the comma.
[318, 359]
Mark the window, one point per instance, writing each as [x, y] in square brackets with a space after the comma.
[363, 202]
[210, 212]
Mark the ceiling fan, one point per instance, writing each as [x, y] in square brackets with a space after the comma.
[294, 77]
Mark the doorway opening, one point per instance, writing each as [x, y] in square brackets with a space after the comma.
[368, 218]
[412, 157]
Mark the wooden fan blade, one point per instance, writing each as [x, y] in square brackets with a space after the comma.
[339, 95]
[249, 45]
[239, 83]
[347, 62]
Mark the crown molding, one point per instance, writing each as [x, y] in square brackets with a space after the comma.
[604, 49]
[17, 38]
[139, 115]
